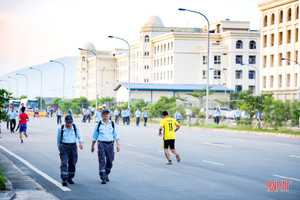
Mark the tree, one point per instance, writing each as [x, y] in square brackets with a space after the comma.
[139, 103]
[4, 98]
[165, 104]
[22, 97]
[56, 100]
[236, 98]
[295, 113]
[199, 94]
[43, 101]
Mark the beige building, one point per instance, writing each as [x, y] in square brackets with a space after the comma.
[175, 55]
[279, 38]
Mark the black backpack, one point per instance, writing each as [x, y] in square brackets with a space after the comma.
[62, 131]
[112, 124]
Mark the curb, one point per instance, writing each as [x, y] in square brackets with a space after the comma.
[7, 195]
[8, 185]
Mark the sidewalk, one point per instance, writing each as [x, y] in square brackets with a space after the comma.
[23, 187]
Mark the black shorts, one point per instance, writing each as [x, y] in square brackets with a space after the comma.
[169, 143]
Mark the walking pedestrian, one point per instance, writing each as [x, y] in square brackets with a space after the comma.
[23, 119]
[145, 115]
[84, 115]
[128, 116]
[8, 110]
[59, 115]
[217, 115]
[177, 116]
[124, 116]
[117, 115]
[98, 116]
[66, 142]
[51, 111]
[88, 115]
[12, 118]
[168, 125]
[238, 114]
[48, 111]
[106, 133]
[138, 116]
[36, 112]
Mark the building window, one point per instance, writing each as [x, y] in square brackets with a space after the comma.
[238, 74]
[204, 75]
[168, 60]
[217, 74]
[204, 60]
[288, 56]
[165, 61]
[238, 88]
[238, 59]
[296, 80]
[165, 47]
[251, 74]
[147, 38]
[265, 40]
[239, 44]
[171, 60]
[147, 53]
[217, 59]
[296, 56]
[252, 88]
[252, 45]
[280, 38]
[83, 59]
[171, 74]
[252, 59]
[272, 39]
[288, 36]
[289, 14]
[265, 21]
[272, 60]
[272, 19]
[280, 81]
[157, 49]
[288, 80]
[281, 16]
[297, 12]
[271, 81]
[146, 67]
[168, 75]
[264, 82]
[279, 59]
[172, 45]
[296, 35]
[146, 80]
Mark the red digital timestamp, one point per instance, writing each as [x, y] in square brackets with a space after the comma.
[274, 186]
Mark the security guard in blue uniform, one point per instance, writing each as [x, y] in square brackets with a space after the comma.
[106, 133]
[66, 143]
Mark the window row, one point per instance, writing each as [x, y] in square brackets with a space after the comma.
[288, 81]
[280, 16]
[288, 38]
[238, 74]
[217, 60]
[163, 47]
[239, 44]
[239, 59]
[239, 88]
[280, 62]
[163, 75]
[163, 61]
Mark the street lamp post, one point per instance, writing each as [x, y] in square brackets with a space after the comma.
[208, 39]
[128, 66]
[7, 83]
[18, 74]
[103, 82]
[64, 69]
[295, 61]
[41, 97]
[255, 77]
[96, 73]
[17, 83]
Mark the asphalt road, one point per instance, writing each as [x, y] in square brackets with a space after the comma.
[214, 165]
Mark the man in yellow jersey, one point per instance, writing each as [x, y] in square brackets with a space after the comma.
[168, 124]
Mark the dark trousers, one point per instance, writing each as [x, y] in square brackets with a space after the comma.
[145, 121]
[128, 120]
[124, 120]
[58, 119]
[217, 120]
[51, 114]
[68, 158]
[117, 119]
[89, 117]
[106, 156]
[7, 124]
[12, 125]
[138, 121]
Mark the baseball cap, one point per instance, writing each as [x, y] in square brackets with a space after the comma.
[69, 118]
[104, 110]
[104, 105]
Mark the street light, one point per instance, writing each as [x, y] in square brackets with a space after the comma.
[96, 73]
[7, 83]
[208, 38]
[128, 66]
[18, 74]
[41, 98]
[255, 77]
[295, 61]
[63, 96]
[17, 83]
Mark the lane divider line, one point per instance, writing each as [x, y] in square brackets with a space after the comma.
[294, 179]
[294, 156]
[161, 151]
[215, 163]
[219, 145]
[65, 189]
[130, 145]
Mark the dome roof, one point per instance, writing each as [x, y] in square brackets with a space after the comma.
[89, 46]
[153, 21]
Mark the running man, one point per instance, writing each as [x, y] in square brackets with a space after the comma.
[23, 119]
[168, 124]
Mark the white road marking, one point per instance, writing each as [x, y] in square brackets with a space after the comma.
[37, 170]
[161, 151]
[294, 179]
[215, 163]
[219, 145]
[294, 156]
[130, 145]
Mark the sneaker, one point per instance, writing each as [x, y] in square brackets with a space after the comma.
[178, 157]
[21, 141]
[64, 183]
[107, 179]
[103, 180]
[169, 163]
[25, 134]
[70, 181]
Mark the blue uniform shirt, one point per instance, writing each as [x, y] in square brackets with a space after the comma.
[124, 113]
[59, 112]
[128, 113]
[177, 115]
[116, 112]
[145, 114]
[98, 116]
[68, 136]
[106, 133]
[12, 114]
[138, 113]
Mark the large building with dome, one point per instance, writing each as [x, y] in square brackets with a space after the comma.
[174, 55]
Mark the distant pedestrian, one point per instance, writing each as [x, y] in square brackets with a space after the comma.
[66, 143]
[12, 118]
[117, 115]
[128, 116]
[19, 112]
[105, 133]
[168, 125]
[238, 114]
[124, 116]
[83, 115]
[23, 119]
[177, 116]
[88, 114]
[217, 115]
[51, 111]
[48, 111]
[138, 116]
[145, 115]
[7, 112]
[98, 116]
[36, 112]
[59, 115]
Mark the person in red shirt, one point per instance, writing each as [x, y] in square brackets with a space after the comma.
[23, 119]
